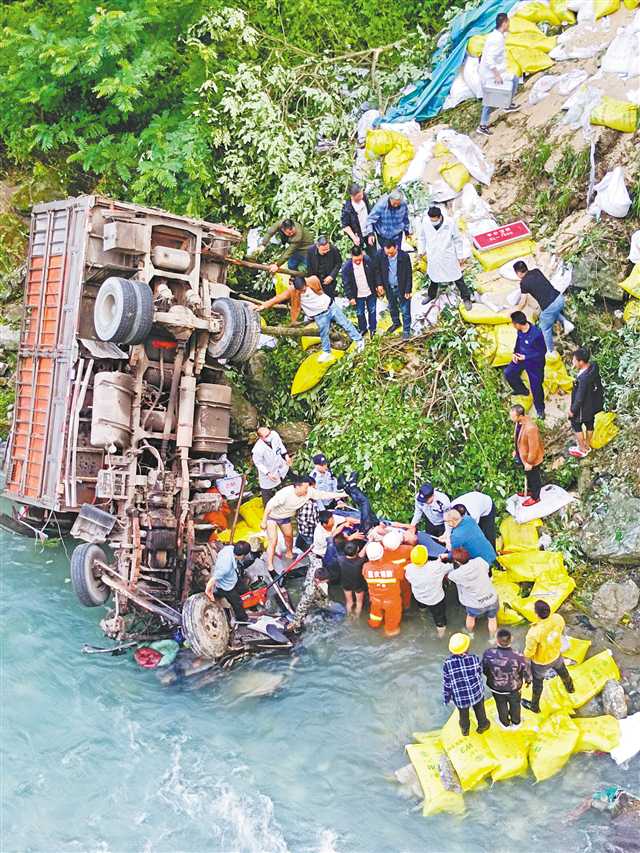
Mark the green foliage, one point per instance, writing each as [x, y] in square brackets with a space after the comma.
[399, 415]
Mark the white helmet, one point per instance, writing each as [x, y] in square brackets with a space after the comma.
[374, 551]
[392, 540]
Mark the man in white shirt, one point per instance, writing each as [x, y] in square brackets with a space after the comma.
[359, 280]
[482, 510]
[493, 68]
[281, 510]
[272, 461]
[440, 240]
[426, 579]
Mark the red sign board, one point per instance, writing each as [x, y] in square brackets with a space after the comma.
[502, 236]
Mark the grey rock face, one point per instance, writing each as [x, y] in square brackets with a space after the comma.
[614, 701]
[613, 599]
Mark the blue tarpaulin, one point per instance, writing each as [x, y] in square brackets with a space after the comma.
[425, 100]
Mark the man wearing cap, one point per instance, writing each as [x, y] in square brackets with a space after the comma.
[440, 240]
[388, 219]
[307, 294]
[395, 280]
[388, 589]
[325, 481]
[426, 579]
[324, 260]
[429, 508]
[462, 682]
[353, 219]
[272, 461]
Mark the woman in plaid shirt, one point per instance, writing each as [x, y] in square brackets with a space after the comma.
[462, 681]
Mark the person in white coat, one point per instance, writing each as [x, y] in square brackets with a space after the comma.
[493, 68]
[440, 240]
[272, 461]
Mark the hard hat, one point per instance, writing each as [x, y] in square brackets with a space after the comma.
[459, 643]
[374, 551]
[392, 540]
[419, 555]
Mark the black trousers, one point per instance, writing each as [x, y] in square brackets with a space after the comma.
[267, 494]
[538, 683]
[233, 597]
[508, 707]
[438, 612]
[431, 528]
[481, 717]
[487, 524]
[534, 482]
[432, 291]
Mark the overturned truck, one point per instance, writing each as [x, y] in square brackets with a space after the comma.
[121, 422]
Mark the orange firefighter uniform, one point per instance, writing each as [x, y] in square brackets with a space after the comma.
[389, 592]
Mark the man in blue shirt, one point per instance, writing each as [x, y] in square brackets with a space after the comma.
[529, 354]
[225, 581]
[462, 682]
[395, 279]
[389, 219]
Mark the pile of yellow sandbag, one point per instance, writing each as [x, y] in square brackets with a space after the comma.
[543, 741]
[396, 152]
[527, 47]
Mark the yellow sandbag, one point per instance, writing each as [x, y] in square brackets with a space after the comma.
[396, 162]
[509, 748]
[556, 377]
[470, 757]
[494, 258]
[604, 429]
[631, 4]
[482, 315]
[597, 734]
[507, 591]
[505, 343]
[243, 531]
[486, 343]
[513, 66]
[440, 149]
[425, 757]
[311, 371]
[605, 7]
[252, 512]
[521, 400]
[379, 143]
[554, 744]
[282, 282]
[530, 59]
[522, 25]
[455, 174]
[534, 40]
[529, 565]
[631, 284]
[539, 13]
[553, 586]
[575, 650]
[619, 115]
[475, 45]
[554, 699]
[307, 341]
[631, 313]
[562, 11]
[590, 676]
[519, 537]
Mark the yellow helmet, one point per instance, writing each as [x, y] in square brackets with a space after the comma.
[419, 555]
[459, 643]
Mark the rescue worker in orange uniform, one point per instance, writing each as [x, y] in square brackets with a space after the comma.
[389, 592]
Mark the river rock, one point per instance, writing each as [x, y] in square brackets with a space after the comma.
[612, 532]
[9, 338]
[260, 378]
[593, 708]
[614, 701]
[294, 434]
[614, 599]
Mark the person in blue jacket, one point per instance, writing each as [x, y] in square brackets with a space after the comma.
[529, 354]
[465, 533]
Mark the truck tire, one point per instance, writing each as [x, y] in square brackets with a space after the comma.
[143, 319]
[85, 580]
[205, 626]
[233, 328]
[123, 311]
[251, 335]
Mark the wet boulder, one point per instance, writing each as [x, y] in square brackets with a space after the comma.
[613, 599]
[612, 533]
[614, 702]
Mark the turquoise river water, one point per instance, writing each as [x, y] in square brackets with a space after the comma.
[281, 754]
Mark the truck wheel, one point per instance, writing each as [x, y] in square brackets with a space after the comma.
[251, 335]
[205, 626]
[85, 576]
[233, 328]
[123, 311]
